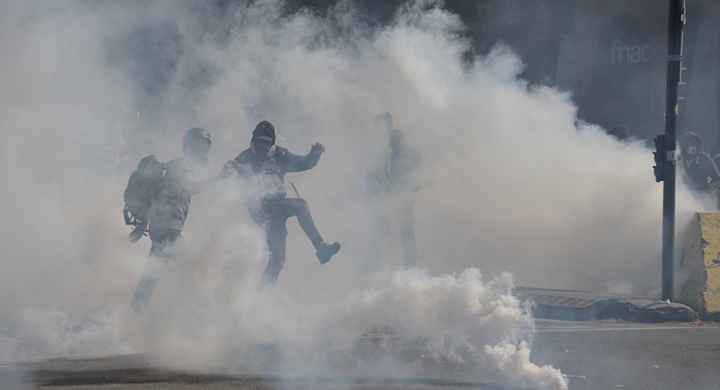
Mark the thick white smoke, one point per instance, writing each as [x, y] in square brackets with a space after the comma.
[511, 181]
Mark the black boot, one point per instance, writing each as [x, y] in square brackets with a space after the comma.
[325, 251]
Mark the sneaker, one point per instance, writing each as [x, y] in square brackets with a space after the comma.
[137, 233]
[327, 251]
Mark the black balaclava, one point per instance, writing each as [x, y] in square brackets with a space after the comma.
[263, 138]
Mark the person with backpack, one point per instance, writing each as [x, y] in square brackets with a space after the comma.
[157, 202]
[264, 164]
[139, 194]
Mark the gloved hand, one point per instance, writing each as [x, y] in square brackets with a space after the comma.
[317, 148]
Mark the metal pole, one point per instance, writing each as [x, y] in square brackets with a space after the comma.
[674, 68]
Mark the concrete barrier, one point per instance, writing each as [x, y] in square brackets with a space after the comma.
[698, 268]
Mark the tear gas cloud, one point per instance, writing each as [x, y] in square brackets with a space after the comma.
[510, 181]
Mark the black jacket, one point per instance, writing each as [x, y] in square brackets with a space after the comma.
[272, 169]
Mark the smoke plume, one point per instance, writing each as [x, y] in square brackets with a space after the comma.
[510, 181]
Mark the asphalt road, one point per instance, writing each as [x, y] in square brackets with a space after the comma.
[259, 386]
[594, 355]
[616, 355]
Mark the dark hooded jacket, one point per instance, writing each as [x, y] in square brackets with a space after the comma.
[271, 171]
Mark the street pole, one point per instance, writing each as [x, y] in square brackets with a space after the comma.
[676, 17]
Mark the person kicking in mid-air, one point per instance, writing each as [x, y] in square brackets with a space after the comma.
[267, 163]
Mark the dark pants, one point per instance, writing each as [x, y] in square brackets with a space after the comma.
[402, 216]
[273, 216]
[407, 235]
[162, 250]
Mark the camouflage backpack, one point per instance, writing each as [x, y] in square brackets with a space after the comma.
[140, 191]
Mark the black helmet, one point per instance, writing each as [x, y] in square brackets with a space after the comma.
[264, 130]
[196, 135]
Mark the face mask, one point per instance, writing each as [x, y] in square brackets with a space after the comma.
[262, 148]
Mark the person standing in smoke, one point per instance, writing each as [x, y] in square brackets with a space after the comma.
[392, 187]
[266, 164]
[158, 201]
[701, 173]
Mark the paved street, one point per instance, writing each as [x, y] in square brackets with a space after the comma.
[614, 355]
[594, 355]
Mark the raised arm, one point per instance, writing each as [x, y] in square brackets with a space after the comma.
[295, 163]
[233, 168]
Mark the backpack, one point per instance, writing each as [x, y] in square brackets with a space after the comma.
[141, 189]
